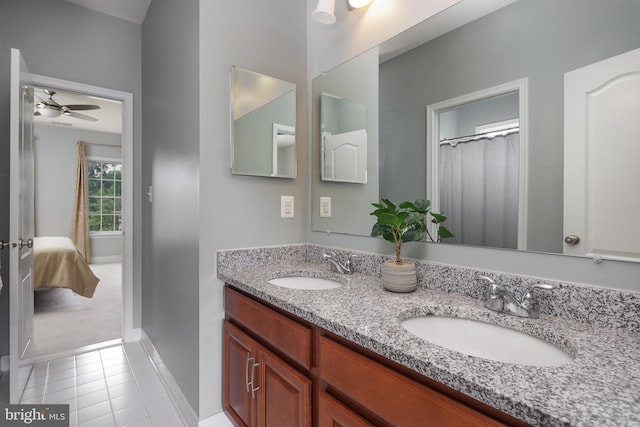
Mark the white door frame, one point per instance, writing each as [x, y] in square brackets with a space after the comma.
[129, 333]
[433, 136]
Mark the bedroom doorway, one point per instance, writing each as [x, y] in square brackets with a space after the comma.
[65, 321]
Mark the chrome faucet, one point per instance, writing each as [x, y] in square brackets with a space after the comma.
[501, 300]
[346, 268]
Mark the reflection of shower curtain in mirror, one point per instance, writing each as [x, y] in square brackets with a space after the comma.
[479, 191]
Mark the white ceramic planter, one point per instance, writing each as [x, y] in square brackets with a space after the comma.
[399, 277]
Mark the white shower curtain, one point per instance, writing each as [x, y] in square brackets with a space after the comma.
[479, 191]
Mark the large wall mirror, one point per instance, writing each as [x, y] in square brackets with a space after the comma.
[263, 125]
[544, 88]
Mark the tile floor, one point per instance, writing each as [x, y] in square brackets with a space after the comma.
[114, 386]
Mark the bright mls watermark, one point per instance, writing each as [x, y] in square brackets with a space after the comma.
[35, 415]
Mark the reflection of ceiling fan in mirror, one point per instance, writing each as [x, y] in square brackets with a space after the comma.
[50, 108]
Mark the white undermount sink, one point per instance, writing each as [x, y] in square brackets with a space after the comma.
[306, 283]
[486, 340]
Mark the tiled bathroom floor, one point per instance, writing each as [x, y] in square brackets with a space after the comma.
[114, 386]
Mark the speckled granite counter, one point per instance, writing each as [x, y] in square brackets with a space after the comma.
[600, 388]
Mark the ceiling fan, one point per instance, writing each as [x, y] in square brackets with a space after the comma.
[50, 108]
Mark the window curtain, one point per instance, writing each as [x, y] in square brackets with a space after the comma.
[80, 226]
[479, 191]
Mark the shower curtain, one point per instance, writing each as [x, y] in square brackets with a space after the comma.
[479, 190]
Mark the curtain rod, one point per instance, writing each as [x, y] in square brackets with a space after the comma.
[103, 145]
[466, 138]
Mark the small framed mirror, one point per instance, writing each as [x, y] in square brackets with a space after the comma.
[263, 125]
[343, 136]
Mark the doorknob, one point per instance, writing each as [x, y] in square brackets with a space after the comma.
[571, 239]
[23, 243]
[4, 244]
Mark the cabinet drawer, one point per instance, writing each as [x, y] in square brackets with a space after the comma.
[396, 399]
[284, 334]
[332, 413]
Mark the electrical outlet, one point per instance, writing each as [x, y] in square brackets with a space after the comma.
[325, 207]
[286, 207]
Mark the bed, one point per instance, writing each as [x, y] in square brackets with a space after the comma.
[58, 264]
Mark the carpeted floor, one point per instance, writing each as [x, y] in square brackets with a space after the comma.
[64, 320]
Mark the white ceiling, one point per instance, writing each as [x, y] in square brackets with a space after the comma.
[131, 10]
[109, 114]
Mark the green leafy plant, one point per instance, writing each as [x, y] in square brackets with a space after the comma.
[406, 222]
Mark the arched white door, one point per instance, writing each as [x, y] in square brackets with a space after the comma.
[601, 158]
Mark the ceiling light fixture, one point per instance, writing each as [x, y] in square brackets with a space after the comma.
[356, 4]
[324, 13]
[46, 111]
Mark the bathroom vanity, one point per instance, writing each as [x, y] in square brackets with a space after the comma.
[340, 356]
[273, 361]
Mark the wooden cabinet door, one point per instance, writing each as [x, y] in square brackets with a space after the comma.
[238, 352]
[332, 413]
[284, 394]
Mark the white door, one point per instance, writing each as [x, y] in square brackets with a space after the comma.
[601, 158]
[21, 228]
[344, 157]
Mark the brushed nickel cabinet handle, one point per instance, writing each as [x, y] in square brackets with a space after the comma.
[246, 372]
[253, 373]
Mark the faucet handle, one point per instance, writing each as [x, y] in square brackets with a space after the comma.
[529, 299]
[529, 293]
[494, 288]
[488, 280]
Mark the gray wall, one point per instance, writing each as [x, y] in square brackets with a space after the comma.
[540, 40]
[325, 52]
[170, 93]
[61, 40]
[242, 211]
[55, 155]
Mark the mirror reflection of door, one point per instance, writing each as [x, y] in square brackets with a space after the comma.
[602, 153]
[343, 140]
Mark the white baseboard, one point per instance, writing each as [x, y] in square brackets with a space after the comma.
[132, 335]
[187, 413]
[106, 259]
[4, 363]
[217, 420]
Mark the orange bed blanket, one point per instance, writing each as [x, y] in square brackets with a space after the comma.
[58, 264]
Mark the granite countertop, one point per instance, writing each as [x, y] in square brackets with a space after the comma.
[601, 387]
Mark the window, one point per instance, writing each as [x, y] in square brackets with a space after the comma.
[105, 195]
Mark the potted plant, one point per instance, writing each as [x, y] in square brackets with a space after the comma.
[405, 222]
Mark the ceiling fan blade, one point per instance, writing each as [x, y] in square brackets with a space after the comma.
[80, 116]
[82, 107]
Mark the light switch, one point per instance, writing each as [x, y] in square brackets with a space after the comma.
[286, 207]
[325, 207]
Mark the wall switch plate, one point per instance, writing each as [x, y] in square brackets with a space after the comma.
[286, 207]
[325, 207]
